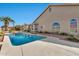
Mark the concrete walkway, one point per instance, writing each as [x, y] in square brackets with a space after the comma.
[37, 48]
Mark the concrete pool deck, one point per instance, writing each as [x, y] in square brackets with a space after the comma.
[37, 48]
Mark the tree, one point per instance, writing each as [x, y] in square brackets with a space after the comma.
[6, 21]
[18, 27]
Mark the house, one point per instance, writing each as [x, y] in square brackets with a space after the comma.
[3, 28]
[26, 27]
[58, 18]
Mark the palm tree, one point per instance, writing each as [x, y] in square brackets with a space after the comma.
[12, 22]
[6, 21]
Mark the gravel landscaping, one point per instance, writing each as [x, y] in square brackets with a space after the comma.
[1, 39]
[63, 36]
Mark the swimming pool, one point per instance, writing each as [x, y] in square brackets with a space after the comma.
[21, 38]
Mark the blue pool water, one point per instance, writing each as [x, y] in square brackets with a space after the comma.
[21, 38]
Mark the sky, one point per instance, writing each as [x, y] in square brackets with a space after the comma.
[22, 13]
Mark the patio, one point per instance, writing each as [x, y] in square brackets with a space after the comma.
[38, 48]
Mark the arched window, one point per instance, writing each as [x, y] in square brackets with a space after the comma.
[56, 26]
[73, 25]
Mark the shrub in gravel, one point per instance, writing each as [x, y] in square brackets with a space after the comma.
[62, 33]
[72, 39]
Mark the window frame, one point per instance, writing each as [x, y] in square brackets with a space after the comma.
[73, 25]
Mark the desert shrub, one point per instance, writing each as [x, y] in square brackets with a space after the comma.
[33, 32]
[1, 33]
[10, 31]
[25, 30]
[40, 32]
[70, 35]
[76, 36]
[62, 33]
[72, 39]
[56, 33]
[47, 32]
[28, 30]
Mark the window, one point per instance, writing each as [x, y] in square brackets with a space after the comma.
[73, 25]
[56, 26]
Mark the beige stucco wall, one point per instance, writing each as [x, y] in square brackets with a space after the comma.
[61, 14]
